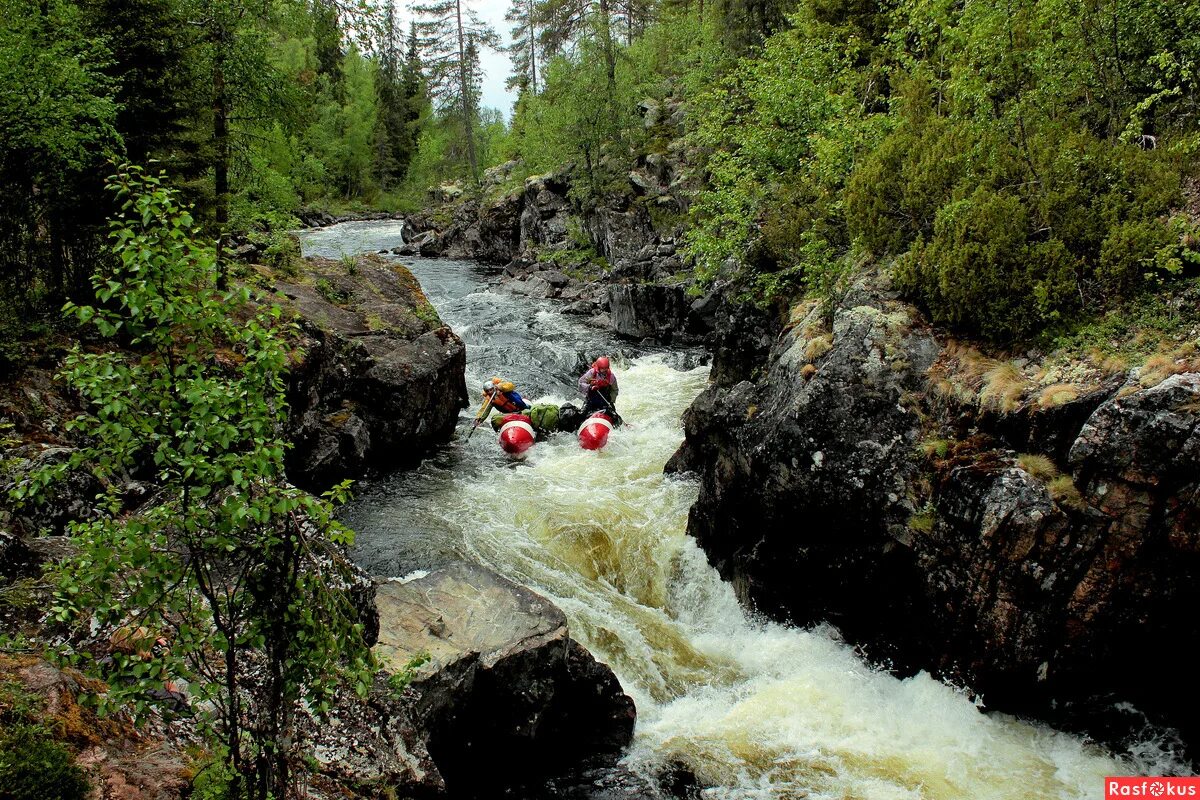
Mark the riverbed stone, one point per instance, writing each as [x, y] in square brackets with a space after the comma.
[507, 695]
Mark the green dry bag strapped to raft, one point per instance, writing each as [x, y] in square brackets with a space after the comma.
[544, 418]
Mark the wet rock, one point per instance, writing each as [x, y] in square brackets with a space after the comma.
[793, 454]
[495, 236]
[369, 749]
[1147, 439]
[582, 308]
[1039, 590]
[15, 557]
[649, 311]
[380, 380]
[507, 697]
[71, 499]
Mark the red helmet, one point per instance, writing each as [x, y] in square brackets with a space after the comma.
[601, 363]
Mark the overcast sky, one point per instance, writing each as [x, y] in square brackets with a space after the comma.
[496, 66]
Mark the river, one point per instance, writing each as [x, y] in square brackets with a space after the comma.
[754, 709]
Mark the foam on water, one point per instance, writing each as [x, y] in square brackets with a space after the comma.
[754, 709]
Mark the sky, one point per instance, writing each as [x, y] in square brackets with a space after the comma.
[496, 66]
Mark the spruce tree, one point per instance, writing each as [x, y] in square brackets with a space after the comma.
[397, 85]
[566, 21]
[450, 37]
[524, 16]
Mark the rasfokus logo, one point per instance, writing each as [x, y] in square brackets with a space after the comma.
[1151, 787]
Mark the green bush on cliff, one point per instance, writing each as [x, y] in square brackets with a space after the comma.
[35, 767]
[1019, 168]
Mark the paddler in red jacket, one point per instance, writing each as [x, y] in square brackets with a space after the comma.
[599, 388]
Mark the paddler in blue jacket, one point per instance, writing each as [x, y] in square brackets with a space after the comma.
[503, 397]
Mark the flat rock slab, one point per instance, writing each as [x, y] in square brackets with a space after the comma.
[459, 611]
[507, 698]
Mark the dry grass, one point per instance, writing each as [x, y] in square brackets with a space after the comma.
[808, 371]
[1038, 466]
[1065, 493]
[1058, 394]
[1108, 363]
[1003, 386]
[1157, 369]
[959, 374]
[921, 522]
[935, 448]
[971, 365]
[817, 348]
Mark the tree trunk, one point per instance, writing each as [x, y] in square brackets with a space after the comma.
[221, 147]
[610, 59]
[532, 49]
[464, 80]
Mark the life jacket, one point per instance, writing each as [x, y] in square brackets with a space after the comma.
[504, 402]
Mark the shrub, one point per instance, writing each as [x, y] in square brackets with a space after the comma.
[35, 767]
[1127, 254]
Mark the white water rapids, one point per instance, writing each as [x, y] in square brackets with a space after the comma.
[754, 709]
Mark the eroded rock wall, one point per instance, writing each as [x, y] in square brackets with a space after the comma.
[1036, 553]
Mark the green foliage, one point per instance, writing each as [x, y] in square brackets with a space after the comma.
[586, 118]
[35, 767]
[228, 557]
[331, 293]
[1019, 162]
[57, 123]
[397, 682]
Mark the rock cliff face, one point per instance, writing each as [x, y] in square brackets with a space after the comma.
[942, 515]
[379, 379]
[643, 283]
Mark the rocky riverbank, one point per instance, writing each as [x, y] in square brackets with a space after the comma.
[502, 698]
[508, 699]
[616, 259]
[379, 378]
[1025, 530]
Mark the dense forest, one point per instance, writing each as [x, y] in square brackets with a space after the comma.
[1018, 163]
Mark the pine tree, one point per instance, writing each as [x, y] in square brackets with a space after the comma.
[397, 87]
[523, 14]
[154, 64]
[327, 33]
[635, 16]
[450, 37]
[567, 20]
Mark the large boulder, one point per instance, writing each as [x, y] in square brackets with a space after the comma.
[647, 310]
[1034, 553]
[506, 697]
[494, 236]
[379, 380]
[803, 492]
